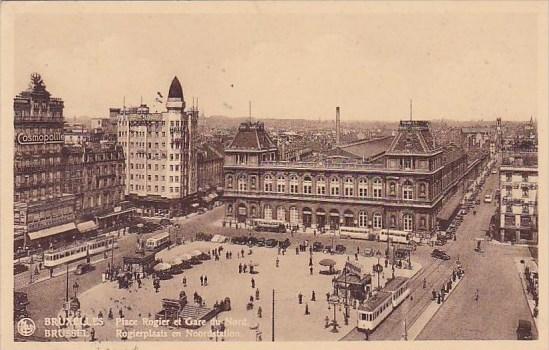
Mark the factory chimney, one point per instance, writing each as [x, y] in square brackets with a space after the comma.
[338, 127]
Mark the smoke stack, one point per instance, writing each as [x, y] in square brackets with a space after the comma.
[338, 127]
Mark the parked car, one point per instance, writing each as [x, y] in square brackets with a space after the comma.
[524, 330]
[340, 249]
[368, 252]
[440, 254]
[488, 198]
[260, 242]
[494, 171]
[251, 241]
[83, 268]
[239, 240]
[440, 242]
[19, 268]
[165, 222]
[271, 243]
[317, 247]
[477, 201]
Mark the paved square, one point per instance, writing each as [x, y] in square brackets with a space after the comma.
[289, 279]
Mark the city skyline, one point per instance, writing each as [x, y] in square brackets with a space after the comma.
[453, 65]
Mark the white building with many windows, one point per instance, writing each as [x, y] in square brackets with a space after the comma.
[160, 158]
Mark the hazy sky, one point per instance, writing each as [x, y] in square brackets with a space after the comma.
[458, 64]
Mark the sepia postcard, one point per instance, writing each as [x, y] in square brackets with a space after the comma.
[353, 174]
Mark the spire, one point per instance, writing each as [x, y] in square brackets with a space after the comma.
[175, 96]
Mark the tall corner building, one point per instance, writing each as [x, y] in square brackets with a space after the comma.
[41, 209]
[159, 148]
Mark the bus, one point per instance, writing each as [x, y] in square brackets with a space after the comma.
[158, 241]
[355, 232]
[377, 308]
[394, 236]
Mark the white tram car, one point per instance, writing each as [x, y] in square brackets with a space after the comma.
[378, 307]
[158, 241]
[78, 251]
[394, 236]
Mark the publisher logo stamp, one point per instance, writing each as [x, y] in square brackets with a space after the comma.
[26, 327]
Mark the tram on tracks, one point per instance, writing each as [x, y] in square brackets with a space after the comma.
[377, 308]
[79, 250]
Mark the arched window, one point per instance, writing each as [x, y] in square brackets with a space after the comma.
[348, 187]
[242, 183]
[408, 191]
[408, 222]
[294, 216]
[307, 185]
[363, 188]
[334, 186]
[229, 181]
[362, 219]
[268, 212]
[268, 183]
[377, 221]
[281, 214]
[321, 186]
[377, 188]
[281, 184]
[294, 184]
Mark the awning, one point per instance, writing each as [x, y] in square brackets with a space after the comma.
[86, 226]
[52, 231]
[307, 212]
[334, 214]
[348, 215]
[320, 213]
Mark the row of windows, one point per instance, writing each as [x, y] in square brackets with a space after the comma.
[348, 190]
[156, 188]
[156, 177]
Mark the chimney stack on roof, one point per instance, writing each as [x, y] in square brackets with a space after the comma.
[338, 127]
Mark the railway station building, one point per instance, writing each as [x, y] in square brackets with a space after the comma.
[361, 189]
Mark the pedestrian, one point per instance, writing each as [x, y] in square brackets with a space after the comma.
[110, 316]
[356, 256]
[257, 294]
[240, 268]
[300, 298]
[242, 252]
[244, 268]
[313, 296]
[310, 261]
[120, 313]
[184, 281]
[424, 283]
[277, 262]
[253, 283]
[259, 312]
[201, 280]
[279, 250]
[296, 251]
[205, 280]
[251, 298]
[307, 309]
[311, 270]
[476, 296]
[357, 250]
[328, 296]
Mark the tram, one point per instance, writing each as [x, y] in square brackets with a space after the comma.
[376, 309]
[78, 250]
[269, 225]
[158, 241]
[395, 236]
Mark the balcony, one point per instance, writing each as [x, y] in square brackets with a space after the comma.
[327, 198]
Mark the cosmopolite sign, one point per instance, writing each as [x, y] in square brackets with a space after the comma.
[24, 139]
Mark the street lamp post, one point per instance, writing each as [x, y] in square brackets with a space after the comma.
[334, 301]
[75, 287]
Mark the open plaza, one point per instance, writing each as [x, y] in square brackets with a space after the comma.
[291, 278]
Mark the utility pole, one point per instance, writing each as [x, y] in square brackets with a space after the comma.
[273, 319]
[67, 286]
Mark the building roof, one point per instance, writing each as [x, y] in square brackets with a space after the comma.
[363, 149]
[208, 152]
[414, 136]
[252, 136]
[176, 91]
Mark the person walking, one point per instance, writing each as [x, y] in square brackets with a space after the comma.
[257, 294]
[424, 283]
[310, 261]
[240, 268]
[259, 312]
[313, 296]
[311, 270]
[300, 298]
[184, 281]
[307, 309]
[253, 283]
[277, 262]
[205, 280]
[476, 296]
[201, 280]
